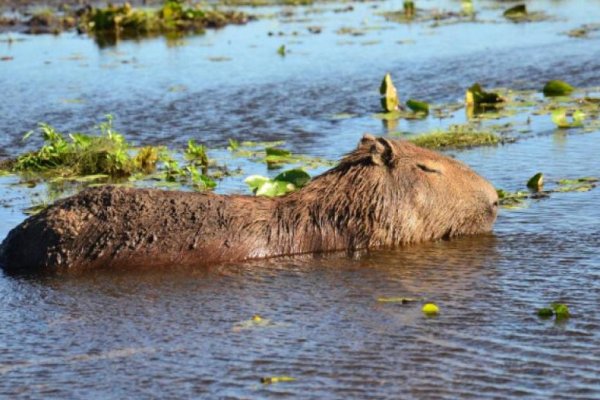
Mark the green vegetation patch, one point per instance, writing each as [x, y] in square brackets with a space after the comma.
[559, 311]
[79, 155]
[107, 157]
[285, 182]
[275, 157]
[174, 16]
[456, 137]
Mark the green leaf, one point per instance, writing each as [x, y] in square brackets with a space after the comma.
[561, 120]
[256, 181]
[389, 95]
[281, 50]
[561, 311]
[418, 106]
[536, 182]
[274, 188]
[557, 88]
[273, 151]
[559, 117]
[296, 177]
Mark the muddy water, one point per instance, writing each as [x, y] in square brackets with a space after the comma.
[182, 333]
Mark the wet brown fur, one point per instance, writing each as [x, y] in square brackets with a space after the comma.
[385, 193]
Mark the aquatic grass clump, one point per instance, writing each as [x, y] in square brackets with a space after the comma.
[173, 17]
[80, 155]
[456, 137]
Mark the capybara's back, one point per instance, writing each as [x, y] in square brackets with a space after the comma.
[385, 193]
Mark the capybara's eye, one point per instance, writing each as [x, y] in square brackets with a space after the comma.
[425, 168]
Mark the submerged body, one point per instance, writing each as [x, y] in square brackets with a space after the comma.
[385, 193]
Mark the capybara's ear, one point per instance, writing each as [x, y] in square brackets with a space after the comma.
[381, 150]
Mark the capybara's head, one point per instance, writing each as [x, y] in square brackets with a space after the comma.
[404, 193]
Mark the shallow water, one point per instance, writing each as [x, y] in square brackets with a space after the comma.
[177, 333]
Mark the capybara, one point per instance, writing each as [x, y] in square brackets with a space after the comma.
[385, 193]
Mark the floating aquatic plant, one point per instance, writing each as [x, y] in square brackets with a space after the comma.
[560, 312]
[79, 154]
[561, 118]
[285, 182]
[418, 106]
[557, 88]
[174, 16]
[456, 137]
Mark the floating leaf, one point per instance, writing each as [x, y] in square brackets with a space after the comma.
[418, 106]
[536, 182]
[545, 312]
[297, 177]
[273, 151]
[561, 120]
[389, 95]
[275, 188]
[585, 179]
[287, 181]
[511, 199]
[256, 181]
[281, 50]
[561, 311]
[557, 88]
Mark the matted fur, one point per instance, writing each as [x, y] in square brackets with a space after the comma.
[383, 194]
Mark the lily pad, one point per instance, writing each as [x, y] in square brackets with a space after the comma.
[418, 106]
[297, 177]
[561, 118]
[286, 182]
[557, 88]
